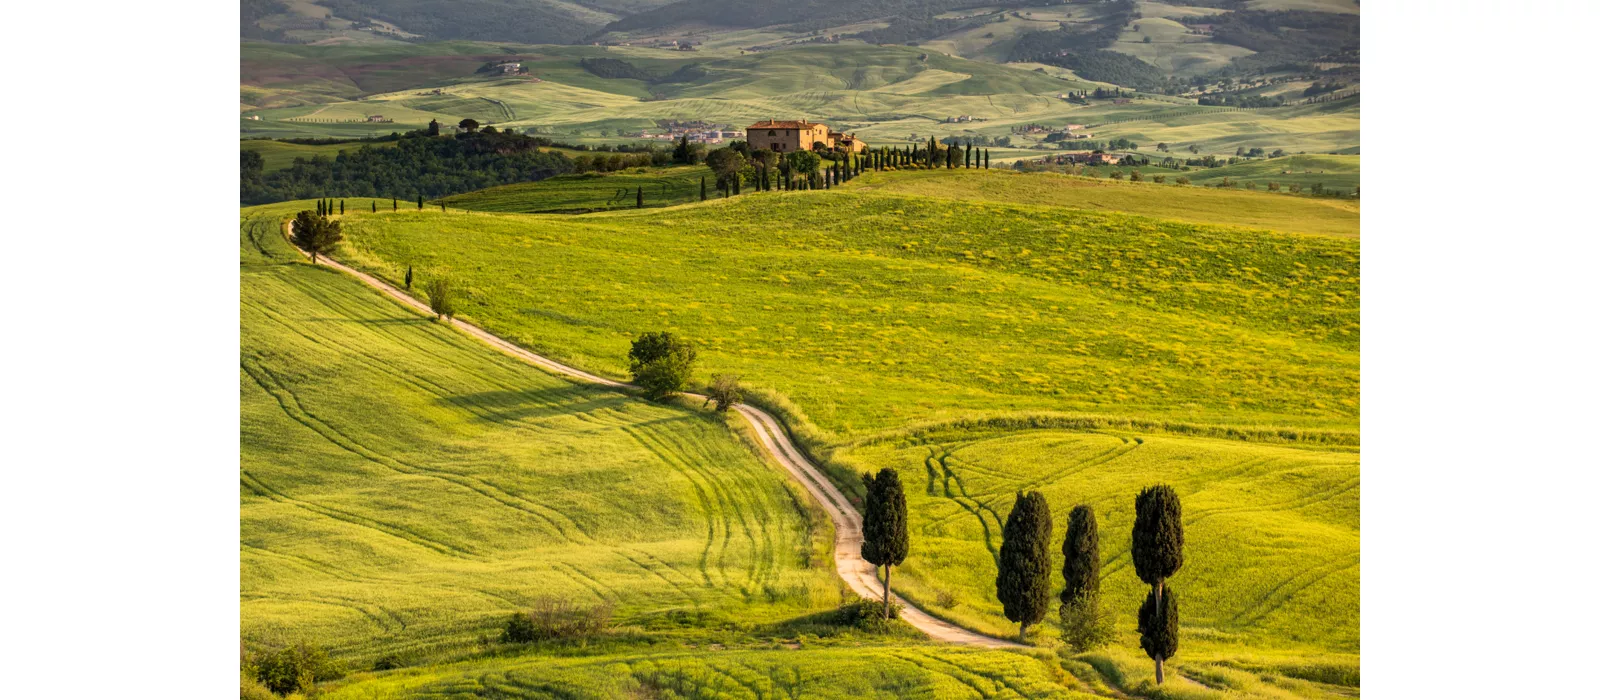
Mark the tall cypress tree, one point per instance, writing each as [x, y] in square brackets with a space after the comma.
[968, 162]
[638, 198]
[394, 204]
[374, 206]
[985, 159]
[1158, 627]
[408, 277]
[702, 188]
[419, 202]
[1157, 555]
[884, 538]
[1080, 557]
[341, 207]
[1023, 585]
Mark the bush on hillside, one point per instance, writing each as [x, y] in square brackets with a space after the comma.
[294, 668]
[725, 392]
[556, 619]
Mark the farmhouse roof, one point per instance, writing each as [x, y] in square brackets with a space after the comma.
[776, 124]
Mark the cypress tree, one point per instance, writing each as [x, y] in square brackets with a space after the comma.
[702, 188]
[408, 277]
[394, 204]
[341, 207]
[419, 202]
[1023, 585]
[968, 163]
[736, 182]
[1157, 555]
[638, 198]
[985, 159]
[884, 539]
[1080, 556]
[1158, 627]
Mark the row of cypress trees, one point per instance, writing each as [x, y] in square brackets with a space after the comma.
[1023, 584]
[931, 156]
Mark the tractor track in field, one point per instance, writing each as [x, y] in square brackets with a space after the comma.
[860, 575]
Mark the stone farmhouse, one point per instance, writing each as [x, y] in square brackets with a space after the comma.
[789, 136]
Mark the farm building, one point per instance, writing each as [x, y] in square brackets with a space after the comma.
[787, 136]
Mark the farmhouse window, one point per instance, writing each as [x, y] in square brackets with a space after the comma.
[772, 133]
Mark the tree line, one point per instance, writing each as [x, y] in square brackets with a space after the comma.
[418, 164]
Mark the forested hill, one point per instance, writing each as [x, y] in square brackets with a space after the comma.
[430, 166]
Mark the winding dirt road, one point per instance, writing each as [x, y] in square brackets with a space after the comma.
[857, 573]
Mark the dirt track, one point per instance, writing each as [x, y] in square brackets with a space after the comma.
[860, 575]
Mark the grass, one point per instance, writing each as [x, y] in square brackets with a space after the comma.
[279, 155]
[1331, 217]
[962, 343]
[403, 487]
[1272, 531]
[873, 312]
[592, 191]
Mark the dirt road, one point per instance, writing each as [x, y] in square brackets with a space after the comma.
[860, 575]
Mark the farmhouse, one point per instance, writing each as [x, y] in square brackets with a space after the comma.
[788, 136]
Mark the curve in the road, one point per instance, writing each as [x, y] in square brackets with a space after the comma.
[857, 573]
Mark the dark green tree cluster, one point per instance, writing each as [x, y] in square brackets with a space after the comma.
[885, 540]
[416, 165]
[662, 364]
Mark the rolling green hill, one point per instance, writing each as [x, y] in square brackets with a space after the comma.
[980, 348]
[403, 487]
[279, 155]
[591, 192]
[1334, 217]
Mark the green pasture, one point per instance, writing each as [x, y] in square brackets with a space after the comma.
[278, 155]
[403, 487]
[872, 312]
[592, 191]
[1282, 212]
[1272, 532]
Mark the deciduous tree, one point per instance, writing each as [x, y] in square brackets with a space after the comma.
[315, 234]
[662, 364]
[724, 391]
[441, 298]
[1023, 585]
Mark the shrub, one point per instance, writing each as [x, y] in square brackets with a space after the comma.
[1116, 175]
[867, 615]
[387, 662]
[1159, 179]
[725, 391]
[294, 668]
[1136, 177]
[1182, 180]
[1086, 626]
[556, 619]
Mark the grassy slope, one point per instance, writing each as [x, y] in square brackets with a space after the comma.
[1333, 217]
[591, 191]
[403, 487]
[817, 296]
[877, 311]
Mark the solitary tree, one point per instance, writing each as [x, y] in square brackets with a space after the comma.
[725, 392]
[884, 538]
[1157, 555]
[374, 206]
[638, 198]
[1023, 585]
[341, 207]
[469, 125]
[419, 202]
[394, 204]
[433, 127]
[661, 363]
[315, 234]
[702, 188]
[408, 277]
[441, 298]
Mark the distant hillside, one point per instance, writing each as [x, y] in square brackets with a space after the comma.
[529, 21]
[804, 14]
